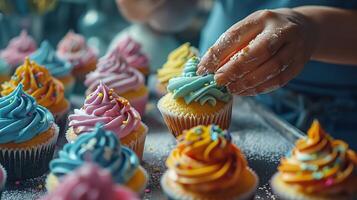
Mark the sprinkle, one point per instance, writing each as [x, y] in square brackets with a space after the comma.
[214, 136]
[40, 85]
[308, 167]
[206, 84]
[198, 131]
[40, 186]
[329, 182]
[147, 190]
[125, 122]
[317, 175]
[100, 94]
[23, 95]
[341, 149]
[110, 97]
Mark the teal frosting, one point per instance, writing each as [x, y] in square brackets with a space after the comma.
[5, 68]
[46, 56]
[101, 147]
[21, 118]
[195, 88]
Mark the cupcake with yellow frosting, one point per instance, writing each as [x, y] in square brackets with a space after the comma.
[174, 66]
[205, 165]
[195, 100]
[103, 148]
[318, 168]
[38, 82]
[28, 135]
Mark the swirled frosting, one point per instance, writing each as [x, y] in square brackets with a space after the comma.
[206, 160]
[46, 57]
[195, 88]
[21, 119]
[90, 182]
[115, 73]
[37, 82]
[176, 62]
[17, 50]
[132, 53]
[318, 163]
[73, 48]
[106, 107]
[101, 147]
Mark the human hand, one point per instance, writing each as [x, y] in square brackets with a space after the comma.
[138, 10]
[262, 52]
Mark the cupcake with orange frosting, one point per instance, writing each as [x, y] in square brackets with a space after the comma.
[318, 168]
[74, 49]
[174, 66]
[131, 51]
[28, 135]
[127, 82]
[60, 69]
[115, 113]
[38, 82]
[17, 50]
[205, 165]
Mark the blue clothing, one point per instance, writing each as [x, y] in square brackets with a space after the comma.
[324, 91]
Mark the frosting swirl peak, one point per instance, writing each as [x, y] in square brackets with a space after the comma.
[21, 119]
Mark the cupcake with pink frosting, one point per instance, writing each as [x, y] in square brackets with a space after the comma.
[115, 113]
[127, 82]
[73, 48]
[18, 49]
[90, 182]
[133, 54]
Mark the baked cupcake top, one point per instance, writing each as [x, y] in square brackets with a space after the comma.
[37, 82]
[115, 73]
[101, 147]
[73, 48]
[90, 182]
[195, 88]
[18, 48]
[46, 57]
[205, 160]
[3, 177]
[106, 107]
[133, 54]
[318, 163]
[176, 62]
[21, 119]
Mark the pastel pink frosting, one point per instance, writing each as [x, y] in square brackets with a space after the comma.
[3, 176]
[114, 72]
[106, 107]
[132, 52]
[18, 49]
[73, 48]
[90, 182]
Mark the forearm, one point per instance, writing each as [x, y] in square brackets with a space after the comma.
[336, 31]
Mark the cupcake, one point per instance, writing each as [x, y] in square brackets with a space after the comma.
[89, 182]
[38, 82]
[28, 136]
[17, 50]
[104, 149]
[124, 80]
[73, 48]
[318, 167]
[3, 177]
[195, 100]
[60, 69]
[5, 71]
[205, 165]
[115, 113]
[131, 51]
[174, 66]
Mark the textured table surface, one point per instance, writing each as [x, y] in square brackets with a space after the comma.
[262, 143]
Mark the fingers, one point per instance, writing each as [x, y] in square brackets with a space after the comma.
[268, 70]
[233, 40]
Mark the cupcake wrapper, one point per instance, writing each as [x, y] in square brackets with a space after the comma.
[177, 123]
[28, 163]
[138, 145]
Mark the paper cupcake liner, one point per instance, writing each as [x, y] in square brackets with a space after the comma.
[29, 162]
[177, 123]
[176, 194]
[137, 144]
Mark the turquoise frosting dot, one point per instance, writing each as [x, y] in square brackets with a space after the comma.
[196, 88]
[21, 118]
[100, 147]
[46, 56]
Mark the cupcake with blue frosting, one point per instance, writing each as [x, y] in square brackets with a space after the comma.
[104, 149]
[28, 135]
[61, 69]
[195, 100]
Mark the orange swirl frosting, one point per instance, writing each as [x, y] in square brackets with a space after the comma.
[205, 160]
[318, 163]
[38, 82]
